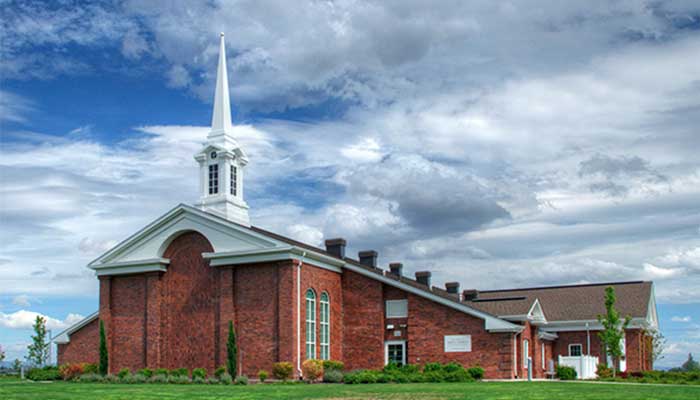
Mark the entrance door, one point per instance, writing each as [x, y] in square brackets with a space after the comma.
[395, 351]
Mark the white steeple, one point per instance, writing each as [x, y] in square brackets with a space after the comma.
[221, 161]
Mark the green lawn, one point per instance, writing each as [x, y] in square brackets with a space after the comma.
[14, 389]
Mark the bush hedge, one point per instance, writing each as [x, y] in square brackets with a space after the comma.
[432, 372]
[48, 373]
[282, 370]
[673, 377]
[566, 373]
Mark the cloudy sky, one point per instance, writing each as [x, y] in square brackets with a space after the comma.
[501, 144]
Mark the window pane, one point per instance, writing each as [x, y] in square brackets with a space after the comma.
[310, 324]
[397, 308]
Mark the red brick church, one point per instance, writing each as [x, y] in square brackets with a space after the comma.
[168, 292]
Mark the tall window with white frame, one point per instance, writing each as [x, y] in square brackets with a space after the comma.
[310, 324]
[325, 327]
[213, 178]
[234, 180]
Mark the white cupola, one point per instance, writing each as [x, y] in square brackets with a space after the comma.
[222, 161]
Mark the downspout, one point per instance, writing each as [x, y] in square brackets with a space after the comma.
[515, 355]
[299, 312]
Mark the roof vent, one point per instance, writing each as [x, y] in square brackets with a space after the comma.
[470, 294]
[368, 258]
[396, 268]
[336, 247]
[423, 277]
[452, 287]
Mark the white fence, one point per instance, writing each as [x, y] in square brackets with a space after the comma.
[585, 366]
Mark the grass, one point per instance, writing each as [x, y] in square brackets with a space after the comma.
[11, 389]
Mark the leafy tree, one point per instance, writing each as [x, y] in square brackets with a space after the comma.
[657, 343]
[231, 350]
[39, 348]
[2, 354]
[104, 356]
[690, 365]
[17, 365]
[613, 328]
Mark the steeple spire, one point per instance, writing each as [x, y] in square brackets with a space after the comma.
[221, 118]
[222, 160]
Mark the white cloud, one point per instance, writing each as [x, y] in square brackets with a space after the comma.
[24, 319]
[367, 150]
[22, 300]
[677, 318]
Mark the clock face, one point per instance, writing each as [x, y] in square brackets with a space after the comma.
[213, 154]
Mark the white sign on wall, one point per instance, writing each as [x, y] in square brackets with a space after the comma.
[458, 343]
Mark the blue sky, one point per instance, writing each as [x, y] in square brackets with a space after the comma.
[493, 143]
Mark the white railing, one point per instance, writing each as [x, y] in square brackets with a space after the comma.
[585, 366]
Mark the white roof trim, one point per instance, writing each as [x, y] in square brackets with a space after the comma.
[132, 267]
[544, 335]
[274, 254]
[593, 325]
[164, 219]
[64, 337]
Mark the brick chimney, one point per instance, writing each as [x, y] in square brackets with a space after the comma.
[336, 247]
[396, 268]
[368, 258]
[470, 294]
[423, 277]
[452, 287]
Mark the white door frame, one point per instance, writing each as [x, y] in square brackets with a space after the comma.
[386, 350]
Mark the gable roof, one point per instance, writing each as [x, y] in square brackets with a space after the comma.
[64, 337]
[571, 302]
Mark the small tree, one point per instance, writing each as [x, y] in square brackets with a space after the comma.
[657, 344]
[690, 365]
[17, 365]
[2, 354]
[613, 328]
[39, 348]
[104, 356]
[231, 350]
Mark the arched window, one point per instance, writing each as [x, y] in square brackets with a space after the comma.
[325, 327]
[310, 324]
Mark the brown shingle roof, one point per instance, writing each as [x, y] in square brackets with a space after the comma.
[511, 305]
[571, 302]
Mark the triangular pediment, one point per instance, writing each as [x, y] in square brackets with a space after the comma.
[149, 243]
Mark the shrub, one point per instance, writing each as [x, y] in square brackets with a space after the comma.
[219, 371]
[263, 375]
[460, 375]
[212, 380]
[476, 372]
[332, 376]
[434, 376]
[159, 378]
[603, 371]
[179, 379]
[312, 370]
[71, 371]
[225, 378]
[147, 372]
[432, 367]
[123, 373]
[109, 378]
[135, 378]
[452, 367]
[362, 376]
[199, 379]
[91, 368]
[104, 355]
[47, 373]
[409, 369]
[162, 371]
[566, 373]
[199, 373]
[179, 372]
[241, 380]
[90, 377]
[333, 365]
[282, 370]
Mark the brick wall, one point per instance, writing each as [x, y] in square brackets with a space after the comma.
[83, 346]
[189, 305]
[363, 321]
[428, 322]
